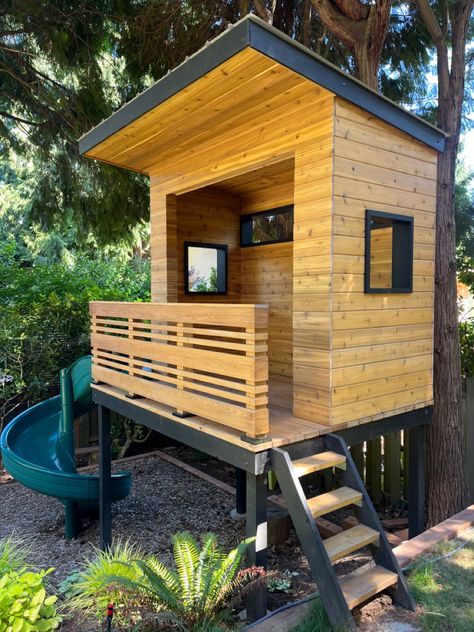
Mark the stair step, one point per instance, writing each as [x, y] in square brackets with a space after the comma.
[331, 501]
[351, 540]
[317, 462]
[358, 587]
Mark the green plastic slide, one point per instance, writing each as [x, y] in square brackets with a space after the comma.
[38, 449]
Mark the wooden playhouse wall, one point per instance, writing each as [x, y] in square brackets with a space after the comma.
[267, 277]
[355, 357]
[382, 344]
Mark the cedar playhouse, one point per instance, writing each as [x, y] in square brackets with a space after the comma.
[293, 232]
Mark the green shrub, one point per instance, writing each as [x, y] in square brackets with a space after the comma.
[192, 597]
[466, 339]
[44, 318]
[24, 604]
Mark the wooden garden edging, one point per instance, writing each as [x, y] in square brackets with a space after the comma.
[447, 530]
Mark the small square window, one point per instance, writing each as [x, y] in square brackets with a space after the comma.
[388, 253]
[205, 268]
[267, 227]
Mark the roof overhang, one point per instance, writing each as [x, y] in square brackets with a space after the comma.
[251, 32]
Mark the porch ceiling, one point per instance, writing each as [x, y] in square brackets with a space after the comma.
[251, 182]
[228, 97]
[250, 62]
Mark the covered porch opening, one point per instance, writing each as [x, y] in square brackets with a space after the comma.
[256, 274]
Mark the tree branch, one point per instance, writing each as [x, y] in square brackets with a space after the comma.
[378, 25]
[18, 119]
[434, 29]
[343, 28]
[353, 9]
[262, 11]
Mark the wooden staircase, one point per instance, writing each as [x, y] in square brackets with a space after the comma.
[339, 596]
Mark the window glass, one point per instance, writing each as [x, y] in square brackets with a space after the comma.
[267, 227]
[205, 268]
[388, 252]
[381, 246]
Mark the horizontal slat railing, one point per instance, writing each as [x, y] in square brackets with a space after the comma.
[201, 359]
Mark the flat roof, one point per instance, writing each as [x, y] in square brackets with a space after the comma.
[253, 32]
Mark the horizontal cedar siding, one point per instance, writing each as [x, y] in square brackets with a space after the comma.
[382, 344]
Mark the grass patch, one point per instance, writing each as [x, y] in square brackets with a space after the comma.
[445, 589]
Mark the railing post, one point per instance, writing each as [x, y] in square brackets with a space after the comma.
[130, 322]
[180, 412]
[259, 400]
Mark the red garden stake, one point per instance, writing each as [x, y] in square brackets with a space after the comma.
[110, 615]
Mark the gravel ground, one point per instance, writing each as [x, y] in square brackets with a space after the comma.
[164, 499]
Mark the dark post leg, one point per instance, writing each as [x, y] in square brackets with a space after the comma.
[105, 504]
[416, 480]
[257, 528]
[240, 484]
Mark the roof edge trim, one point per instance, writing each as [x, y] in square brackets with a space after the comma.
[213, 54]
[254, 32]
[302, 60]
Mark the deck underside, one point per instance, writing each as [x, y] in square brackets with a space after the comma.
[285, 428]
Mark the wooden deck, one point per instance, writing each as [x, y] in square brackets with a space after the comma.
[285, 428]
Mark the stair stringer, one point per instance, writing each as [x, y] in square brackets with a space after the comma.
[311, 542]
[383, 554]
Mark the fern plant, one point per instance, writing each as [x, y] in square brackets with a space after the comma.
[191, 597]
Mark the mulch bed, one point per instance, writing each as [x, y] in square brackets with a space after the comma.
[164, 499]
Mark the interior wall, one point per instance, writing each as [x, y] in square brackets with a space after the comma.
[209, 216]
[267, 277]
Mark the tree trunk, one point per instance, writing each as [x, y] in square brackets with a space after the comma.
[362, 28]
[446, 492]
[367, 65]
[446, 483]
[306, 21]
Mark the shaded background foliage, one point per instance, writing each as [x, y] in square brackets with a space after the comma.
[65, 66]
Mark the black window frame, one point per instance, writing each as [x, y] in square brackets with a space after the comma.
[246, 223]
[402, 257]
[220, 248]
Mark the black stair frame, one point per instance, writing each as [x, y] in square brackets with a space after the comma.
[312, 544]
[383, 554]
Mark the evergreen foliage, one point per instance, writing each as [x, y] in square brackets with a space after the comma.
[191, 597]
[44, 317]
[67, 66]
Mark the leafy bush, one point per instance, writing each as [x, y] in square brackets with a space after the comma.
[24, 603]
[192, 597]
[44, 317]
[466, 339]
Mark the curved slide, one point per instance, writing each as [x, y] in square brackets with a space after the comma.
[38, 449]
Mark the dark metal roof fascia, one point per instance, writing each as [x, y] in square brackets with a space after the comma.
[227, 44]
[301, 60]
[253, 32]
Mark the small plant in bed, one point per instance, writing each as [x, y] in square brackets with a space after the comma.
[195, 596]
[25, 605]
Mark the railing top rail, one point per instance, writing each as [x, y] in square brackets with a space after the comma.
[232, 315]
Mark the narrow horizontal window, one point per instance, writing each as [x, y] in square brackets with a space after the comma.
[388, 253]
[205, 268]
[267, 227]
